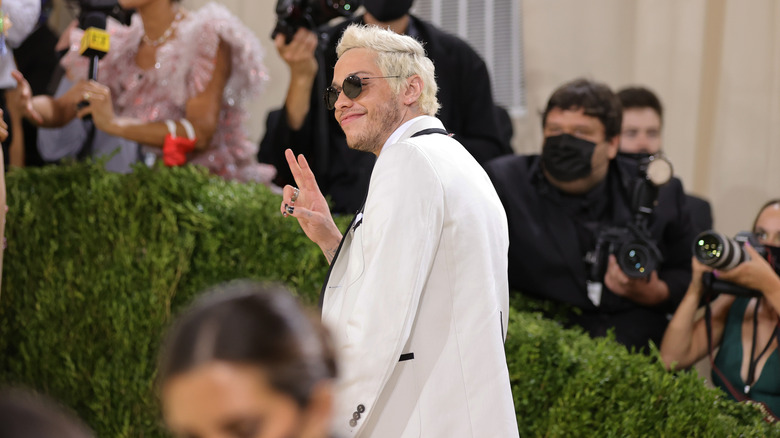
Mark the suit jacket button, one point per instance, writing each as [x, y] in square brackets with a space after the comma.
[356, 415]
[361, 408]
[353, 423]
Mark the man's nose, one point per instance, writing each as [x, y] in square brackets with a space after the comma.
[343, 101]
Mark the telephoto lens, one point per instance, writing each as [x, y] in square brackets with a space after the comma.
[718, 251]
[636, 260]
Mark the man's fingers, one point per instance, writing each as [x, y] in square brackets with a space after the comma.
[301, 172]
[296, 211]
[299, 212]
[307, 176]
[295, 168]
[615, 272]
[289, 194]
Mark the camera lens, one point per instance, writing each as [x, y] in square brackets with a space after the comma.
[717, 251]
[635, 260]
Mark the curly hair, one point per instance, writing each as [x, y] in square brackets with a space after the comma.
[594, 98]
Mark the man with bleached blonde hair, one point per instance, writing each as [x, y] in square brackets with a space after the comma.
[416, 296]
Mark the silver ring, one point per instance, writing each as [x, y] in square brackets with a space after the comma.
[295, 194]
[290, 209]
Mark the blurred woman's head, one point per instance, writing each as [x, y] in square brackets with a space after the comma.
[24, 414]
[247, 361]
[766, 225]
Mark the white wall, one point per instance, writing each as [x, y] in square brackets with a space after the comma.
[714, 63]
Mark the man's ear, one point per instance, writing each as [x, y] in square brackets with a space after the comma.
[414, 87]
[613, 146]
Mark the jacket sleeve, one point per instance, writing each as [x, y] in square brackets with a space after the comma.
[678, 240]
[403, 220]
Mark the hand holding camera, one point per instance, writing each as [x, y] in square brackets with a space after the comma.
[742, 265]
[298, 53]
[755, 273]
[648, 291]
[292, 15]
[625, 258]
[631, 246]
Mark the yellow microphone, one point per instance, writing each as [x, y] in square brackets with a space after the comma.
[94, 45]
[95, 42]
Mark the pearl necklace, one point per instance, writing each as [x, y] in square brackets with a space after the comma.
[167, 34]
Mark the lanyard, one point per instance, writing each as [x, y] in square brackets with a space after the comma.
[754, 362]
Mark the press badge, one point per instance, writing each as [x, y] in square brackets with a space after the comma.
[594, 292]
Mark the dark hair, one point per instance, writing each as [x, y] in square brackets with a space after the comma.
[25, 414]
[255, 324]
[761, 210]
[640, 97]
[596, 99]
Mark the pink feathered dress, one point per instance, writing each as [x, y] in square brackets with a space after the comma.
[182, 70]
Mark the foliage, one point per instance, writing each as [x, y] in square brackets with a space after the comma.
[566, 384]
[98, 262]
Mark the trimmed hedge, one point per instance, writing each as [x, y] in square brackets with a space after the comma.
[98, 262]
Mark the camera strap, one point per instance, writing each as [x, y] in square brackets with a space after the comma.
[754, 362]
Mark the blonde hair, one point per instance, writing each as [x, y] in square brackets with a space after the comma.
[396, 55]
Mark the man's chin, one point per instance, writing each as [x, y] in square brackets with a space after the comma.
[574, 187]
[358, 145]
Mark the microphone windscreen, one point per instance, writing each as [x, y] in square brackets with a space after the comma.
[93, 19]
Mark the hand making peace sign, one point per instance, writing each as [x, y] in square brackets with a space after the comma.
[307, 204]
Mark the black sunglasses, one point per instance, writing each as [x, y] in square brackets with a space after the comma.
[352, 87]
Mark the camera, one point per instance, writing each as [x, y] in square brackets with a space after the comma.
[719, 251]
[294, 14]
[633, 246]
[636, 253]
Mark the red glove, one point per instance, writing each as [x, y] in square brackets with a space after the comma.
[175, 149]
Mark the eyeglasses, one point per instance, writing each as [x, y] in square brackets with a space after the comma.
[352, 87]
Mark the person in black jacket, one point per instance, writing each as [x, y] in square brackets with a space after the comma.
[559, 202]
[643, 117]
[305, 126]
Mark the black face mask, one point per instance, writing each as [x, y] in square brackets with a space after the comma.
[636, 156]
[387, 10]
[773, 256]
[567, 158]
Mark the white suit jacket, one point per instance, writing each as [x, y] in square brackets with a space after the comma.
[417, 299]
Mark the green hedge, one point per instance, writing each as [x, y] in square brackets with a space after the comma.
[97, 263]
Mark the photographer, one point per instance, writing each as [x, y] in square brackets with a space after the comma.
[641, 134]
[745, 328]
[559, 203]
[305, 126]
